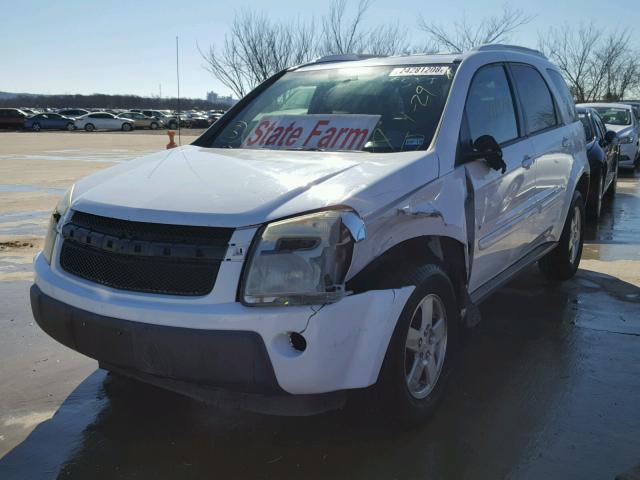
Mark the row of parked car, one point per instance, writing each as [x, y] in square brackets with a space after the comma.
[612, 131]
[126, 120]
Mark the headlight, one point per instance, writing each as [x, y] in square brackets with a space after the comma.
[54, 221]
[302, 260]
[627, 139]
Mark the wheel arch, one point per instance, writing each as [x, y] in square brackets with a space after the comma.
[446, 252]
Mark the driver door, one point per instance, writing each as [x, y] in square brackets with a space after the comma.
[504, 203]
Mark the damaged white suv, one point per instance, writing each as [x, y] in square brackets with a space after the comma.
[333, 231]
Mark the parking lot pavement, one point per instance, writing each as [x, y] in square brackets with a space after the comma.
[548, 386]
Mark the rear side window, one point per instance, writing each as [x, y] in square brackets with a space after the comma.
[489, 108]
[566, 99]
[536, 99]
[602, 130]
[586, 123]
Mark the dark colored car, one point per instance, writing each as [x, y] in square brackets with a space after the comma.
[50, 121]
[12, 118]
[603, 154]
[73, 112]
[198, 121]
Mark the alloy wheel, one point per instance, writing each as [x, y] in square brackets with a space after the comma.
[425, 346]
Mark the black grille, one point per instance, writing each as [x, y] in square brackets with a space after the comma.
[156, 232]
[143, 257]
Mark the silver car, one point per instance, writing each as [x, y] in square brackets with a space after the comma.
[142, 121]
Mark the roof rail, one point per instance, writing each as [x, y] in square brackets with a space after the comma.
[513, 48]
[347, 57]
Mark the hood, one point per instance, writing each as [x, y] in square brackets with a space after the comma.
[241, 187]
[621, 130]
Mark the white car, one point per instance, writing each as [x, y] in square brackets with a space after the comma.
[621, 118]
[334, 231]
[103, 121]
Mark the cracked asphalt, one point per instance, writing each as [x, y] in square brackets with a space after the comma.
[548, 385]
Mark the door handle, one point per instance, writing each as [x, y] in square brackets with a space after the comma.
[527, 161]
[565, 142]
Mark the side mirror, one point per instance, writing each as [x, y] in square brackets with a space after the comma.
[611, 137]
[487, 148]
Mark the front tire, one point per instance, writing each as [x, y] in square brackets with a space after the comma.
[70, 127]
[594, 207]
[611, 192]
[36, 127]
[89, 127]
[127, 127]
[422, 349]
[153, 126]
[562, 262]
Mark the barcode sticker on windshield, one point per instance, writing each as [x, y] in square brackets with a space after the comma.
[420, 70]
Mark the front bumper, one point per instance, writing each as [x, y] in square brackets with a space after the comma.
[628, 154]
[236, 360]
[217, 342]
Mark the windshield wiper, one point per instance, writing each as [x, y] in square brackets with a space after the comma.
[306, 149]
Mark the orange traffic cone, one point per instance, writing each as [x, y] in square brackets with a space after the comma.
[171, 143]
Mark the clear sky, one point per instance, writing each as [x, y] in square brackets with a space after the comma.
[84, 46]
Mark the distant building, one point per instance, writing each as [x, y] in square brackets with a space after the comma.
[213, 97]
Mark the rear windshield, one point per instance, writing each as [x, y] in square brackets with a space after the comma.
[614, 116]
[375, 109]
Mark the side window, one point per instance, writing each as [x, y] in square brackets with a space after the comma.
[489, 108]
[588, 129]
[536, 99]
[566, 98]
[599, 125]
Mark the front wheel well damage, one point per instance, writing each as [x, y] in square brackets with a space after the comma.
[386, 270]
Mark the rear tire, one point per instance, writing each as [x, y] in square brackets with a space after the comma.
[127, 127]
[89, 127]
[562, 262]
[422, 349]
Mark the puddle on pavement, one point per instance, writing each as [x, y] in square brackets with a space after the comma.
[24, 223]
[21, 216]
[12, 188]
[611, 252]
[112, 155]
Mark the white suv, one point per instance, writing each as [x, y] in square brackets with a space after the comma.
[334, 231]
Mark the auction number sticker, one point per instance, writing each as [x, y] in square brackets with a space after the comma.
[420, 70]
[324, 132]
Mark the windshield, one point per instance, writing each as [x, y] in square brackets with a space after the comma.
[375, 109]
[614, 116]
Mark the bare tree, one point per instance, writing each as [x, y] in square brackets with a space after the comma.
[257, 47]
[465, 35]
[596, 65]
[573, 51]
